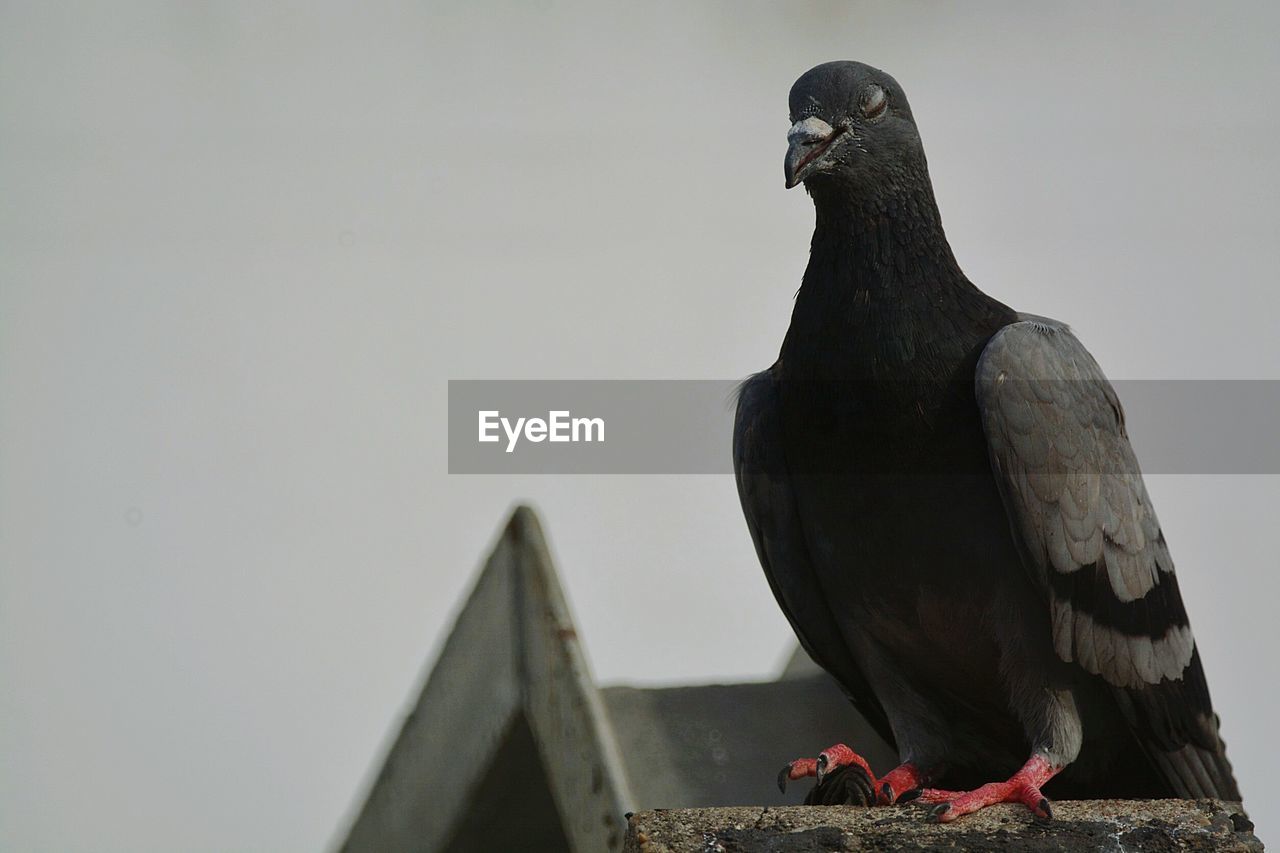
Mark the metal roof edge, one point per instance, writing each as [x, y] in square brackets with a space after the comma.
[513, 649]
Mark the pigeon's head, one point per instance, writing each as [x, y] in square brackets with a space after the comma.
[851, 124]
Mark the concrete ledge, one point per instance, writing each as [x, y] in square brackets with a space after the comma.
[1084, 825]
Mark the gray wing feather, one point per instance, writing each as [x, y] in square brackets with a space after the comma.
[1080, 512]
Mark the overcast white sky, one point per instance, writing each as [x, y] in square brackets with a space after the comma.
[246, 244]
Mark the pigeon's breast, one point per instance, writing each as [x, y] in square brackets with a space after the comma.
[910, 539]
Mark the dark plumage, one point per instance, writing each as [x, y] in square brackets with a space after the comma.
[946, 505]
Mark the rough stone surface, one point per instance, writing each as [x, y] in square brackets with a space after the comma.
[1111, 825]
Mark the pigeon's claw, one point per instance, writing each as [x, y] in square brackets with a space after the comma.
[846, 777]
[801, 768]
[900, 784]
[834, 757]
[1023, 787]
[830, 759]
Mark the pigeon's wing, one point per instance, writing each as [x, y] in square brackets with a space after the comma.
[769, 505]
[1080, 513]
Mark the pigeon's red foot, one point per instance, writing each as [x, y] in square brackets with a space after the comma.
[888, 789]
[900, 781]
[1022, 787]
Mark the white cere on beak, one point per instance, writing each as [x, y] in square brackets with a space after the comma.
[808, 131]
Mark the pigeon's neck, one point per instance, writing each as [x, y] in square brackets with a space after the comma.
[886, 238]
[883, 293]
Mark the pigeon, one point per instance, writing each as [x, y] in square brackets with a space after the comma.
[947, 507]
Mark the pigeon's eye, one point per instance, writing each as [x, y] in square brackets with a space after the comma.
[873, 102]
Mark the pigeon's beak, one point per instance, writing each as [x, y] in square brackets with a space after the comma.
[807, 141]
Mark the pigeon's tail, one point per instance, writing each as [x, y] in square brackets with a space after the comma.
[1197, 771]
